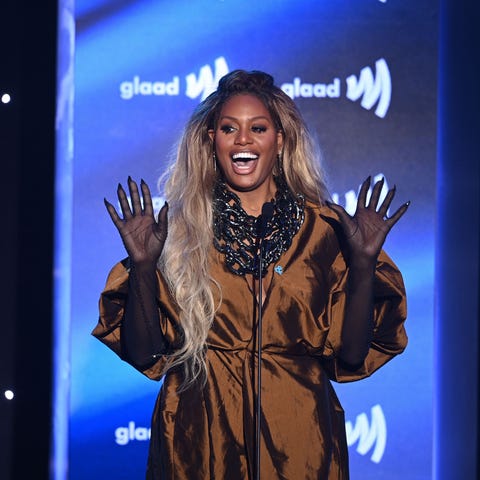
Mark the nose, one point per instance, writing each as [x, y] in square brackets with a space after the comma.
[243, 136]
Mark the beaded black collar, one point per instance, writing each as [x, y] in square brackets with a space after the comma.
[235, 231]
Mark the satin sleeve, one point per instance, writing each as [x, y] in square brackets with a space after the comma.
[389, 312]
[112, 310]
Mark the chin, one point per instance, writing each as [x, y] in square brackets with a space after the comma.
[242, 187]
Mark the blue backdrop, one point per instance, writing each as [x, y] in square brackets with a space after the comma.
[363, 73]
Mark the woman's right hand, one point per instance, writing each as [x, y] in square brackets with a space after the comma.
[142, 235]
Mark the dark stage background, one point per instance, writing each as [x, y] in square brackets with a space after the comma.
[27, 144]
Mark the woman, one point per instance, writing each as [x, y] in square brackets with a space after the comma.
[185, 303]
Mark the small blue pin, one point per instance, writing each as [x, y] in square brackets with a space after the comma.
[279, 269]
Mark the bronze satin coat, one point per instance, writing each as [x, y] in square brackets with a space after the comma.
[208, 433]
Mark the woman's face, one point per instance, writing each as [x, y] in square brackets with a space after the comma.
[247, 144]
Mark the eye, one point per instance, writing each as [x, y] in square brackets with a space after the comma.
[227, 128]
[259, 128]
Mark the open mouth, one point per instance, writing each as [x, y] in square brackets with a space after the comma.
[244, 157]
[244, 162]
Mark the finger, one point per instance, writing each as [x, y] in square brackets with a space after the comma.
[386, 202]
[134, 197]
[147, 199]
[377, 189]
[362, 195]
[162, 214]
[397, 215]
[124, 205]
[113, 213]
[160, 228]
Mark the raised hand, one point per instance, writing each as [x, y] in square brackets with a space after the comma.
[142, 235]
[366, 231]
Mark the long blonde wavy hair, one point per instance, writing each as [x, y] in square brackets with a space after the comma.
[189, 187]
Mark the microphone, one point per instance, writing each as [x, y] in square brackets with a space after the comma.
[261, 230]
[264, 218]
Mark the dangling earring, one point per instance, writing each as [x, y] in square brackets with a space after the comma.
[280, 163]
[214, 162]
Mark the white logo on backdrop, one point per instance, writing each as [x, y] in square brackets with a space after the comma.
[372, 89]
[124, 435]
[207, 81]
[350, 197]
[130, 89]
[368, 436]
[299, 89]
[196, 86]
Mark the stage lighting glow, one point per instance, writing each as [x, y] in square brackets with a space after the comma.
[9, 394]
[6, 98]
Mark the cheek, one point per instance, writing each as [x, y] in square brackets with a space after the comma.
[272, 146]
[221, 144]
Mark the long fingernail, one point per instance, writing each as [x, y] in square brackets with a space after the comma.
[407, 204]
[142, 182]
[129, 178]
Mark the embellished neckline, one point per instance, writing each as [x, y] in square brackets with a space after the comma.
[235, 231]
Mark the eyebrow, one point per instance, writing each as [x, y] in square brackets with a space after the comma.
[259, 117]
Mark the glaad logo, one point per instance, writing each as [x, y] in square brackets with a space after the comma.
[369, 435]
[142, 87]
[308, 90]
[123, 435]
[351, 196]
[200, 86]
[372, 90]
[207, 82]
[366, 435]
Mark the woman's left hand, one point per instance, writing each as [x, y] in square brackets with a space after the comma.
[366, 231]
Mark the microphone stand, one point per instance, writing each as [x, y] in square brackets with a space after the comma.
[267, 213]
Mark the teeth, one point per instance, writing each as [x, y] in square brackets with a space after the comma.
[244, 155]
